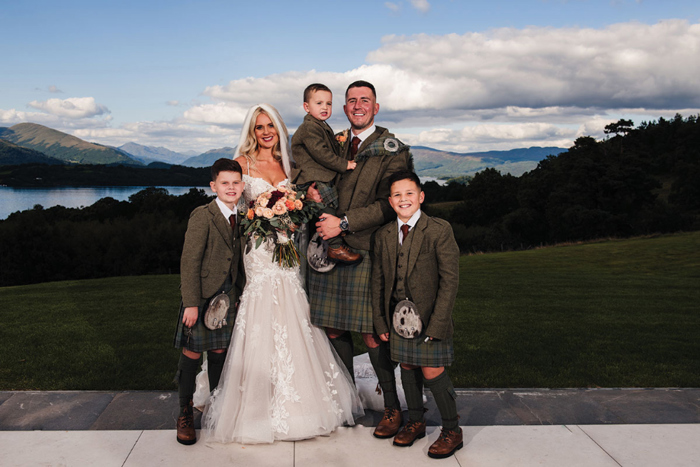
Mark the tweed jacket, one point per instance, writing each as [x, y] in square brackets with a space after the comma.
[316, 153]
[363, 193]
[432, 276]
[210, 252]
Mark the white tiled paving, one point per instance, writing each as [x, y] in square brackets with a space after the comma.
[502, 446]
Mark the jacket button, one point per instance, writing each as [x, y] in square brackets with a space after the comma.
[400, 265]
[400, 278]
[401, 254]
[228, 259]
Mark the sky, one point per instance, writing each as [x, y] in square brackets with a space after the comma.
[462, 76]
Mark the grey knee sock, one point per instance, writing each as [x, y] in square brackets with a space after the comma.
[445, 399]
[344, 348]
[384, 368]
[187, 369]
[412, 382]
[215, 364]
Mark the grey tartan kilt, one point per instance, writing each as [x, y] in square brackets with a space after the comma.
[328, 192]
[203, 338]
[341, 298]
[435, 353]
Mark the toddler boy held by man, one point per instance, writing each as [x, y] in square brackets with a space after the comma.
[317, 155]
[211, 264]
[415, 278]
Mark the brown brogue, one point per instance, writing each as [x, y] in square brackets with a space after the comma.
[411, 432]
[185, 426]
[344, 255]
[447, 443]
[389, 425]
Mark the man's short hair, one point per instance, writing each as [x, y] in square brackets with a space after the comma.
[311, 88]
[404, 175]
[361, 84]
[225, 165]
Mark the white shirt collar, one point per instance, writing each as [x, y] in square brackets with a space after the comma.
[225, 209]
[366, 134]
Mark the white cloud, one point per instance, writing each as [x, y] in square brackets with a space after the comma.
[392, 6]
[73, 107]
[421, 5]
[54, 89]
[173, 103]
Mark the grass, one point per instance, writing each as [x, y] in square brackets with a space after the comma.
[620, 313]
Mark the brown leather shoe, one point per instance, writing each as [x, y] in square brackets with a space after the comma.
[411, 432]
[447, 443]
[389, 425]
[342, 254]
[185, 426]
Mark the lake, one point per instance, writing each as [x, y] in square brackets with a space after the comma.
[21, 199]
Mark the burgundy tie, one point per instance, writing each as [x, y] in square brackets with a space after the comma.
[353, 148]
[232, 220]
[404, 232]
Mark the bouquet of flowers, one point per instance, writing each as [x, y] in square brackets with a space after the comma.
[276, 214]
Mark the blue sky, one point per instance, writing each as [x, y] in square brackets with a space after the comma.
[455, 75]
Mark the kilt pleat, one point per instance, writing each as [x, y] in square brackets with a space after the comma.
[435, 353]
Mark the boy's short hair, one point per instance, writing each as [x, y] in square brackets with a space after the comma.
[311, 88]
[404, 175]
[361, 84]
[225, 165]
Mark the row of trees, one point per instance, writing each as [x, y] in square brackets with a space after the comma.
[641, 181]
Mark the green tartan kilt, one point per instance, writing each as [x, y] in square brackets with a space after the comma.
[203, 338]
[328, 192]
[416, 351]
[342, 297]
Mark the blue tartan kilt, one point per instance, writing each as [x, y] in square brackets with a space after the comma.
[342, 297]
[203, 338]
[416, 351]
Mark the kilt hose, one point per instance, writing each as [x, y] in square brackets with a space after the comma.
[342, 297]
[416, 351]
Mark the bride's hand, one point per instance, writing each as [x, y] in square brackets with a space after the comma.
[313, 194]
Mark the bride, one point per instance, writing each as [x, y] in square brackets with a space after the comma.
[281, 379]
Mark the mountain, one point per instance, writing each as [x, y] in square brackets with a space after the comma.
[209, 157]
[442, 164]
[148, 154]
[63, 146]
[11, 154]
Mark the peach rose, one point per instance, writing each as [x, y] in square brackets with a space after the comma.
[267, 213]
[260, 211]
[279, 208]
[251, 214]
[289, 204]
[298, 204]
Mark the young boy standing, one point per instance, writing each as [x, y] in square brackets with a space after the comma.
[317, 155]
[416, 262]
[211, 264]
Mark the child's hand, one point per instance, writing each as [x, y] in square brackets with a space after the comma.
[384, 337]
[352, 165]
[189, 317]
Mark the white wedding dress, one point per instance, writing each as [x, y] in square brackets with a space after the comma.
[282, 380]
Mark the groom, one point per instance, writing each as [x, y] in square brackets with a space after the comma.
[341, 299]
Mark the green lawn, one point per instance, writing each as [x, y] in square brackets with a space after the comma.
[620, 313]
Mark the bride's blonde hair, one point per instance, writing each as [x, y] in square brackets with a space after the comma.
[248, 143]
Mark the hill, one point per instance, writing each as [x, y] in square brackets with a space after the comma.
[63, 146]
[431, 162]
[148, 154]
[208, 158]
[11, 154]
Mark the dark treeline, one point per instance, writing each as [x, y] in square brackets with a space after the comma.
[640, 181]
[42, 175]
[109, 238]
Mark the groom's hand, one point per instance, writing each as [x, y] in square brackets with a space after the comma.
[328, 226]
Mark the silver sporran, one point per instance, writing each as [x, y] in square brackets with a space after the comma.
[215, 315]
[317, 254]
[407, 322]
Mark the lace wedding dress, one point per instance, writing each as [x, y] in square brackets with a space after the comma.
[281, 379]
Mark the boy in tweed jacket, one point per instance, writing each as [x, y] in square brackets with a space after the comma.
[211, 263]
[316, 153]
[416, 258]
